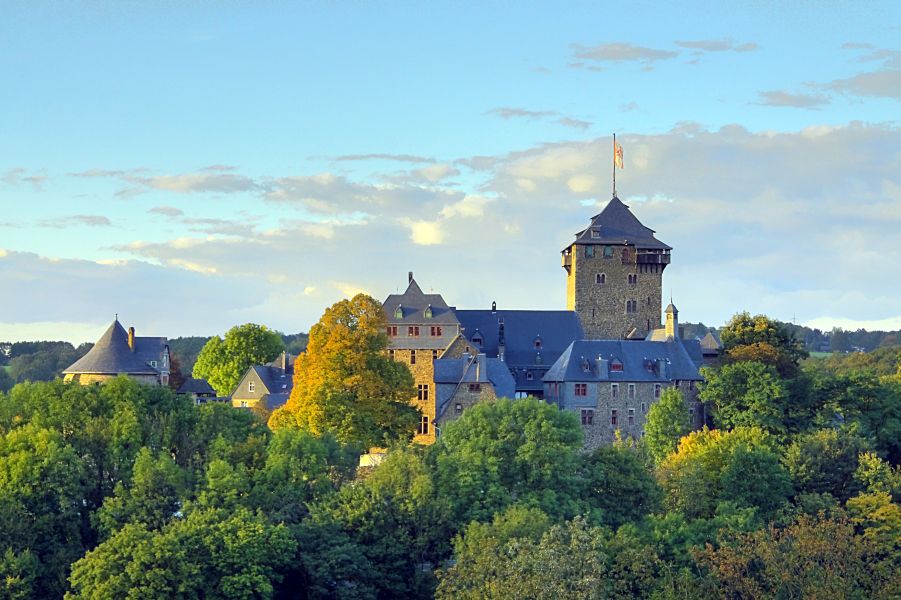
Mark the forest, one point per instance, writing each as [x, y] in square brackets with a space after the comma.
[127, 491]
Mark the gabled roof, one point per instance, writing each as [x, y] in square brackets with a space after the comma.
[616, 225]
[413, 304]
[474, 369]
[274, 379]
[554, 329]
[641, 360]
[112, 356]
[711, 344]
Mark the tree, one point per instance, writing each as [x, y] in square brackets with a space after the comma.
[208, 554]
[345, 382]
[223, 362]
[745, 330]
[811, 558]
[825, 461]
[6, 381]
[746, 394]
[667, 422]
[705, 469]
[503, 452]
[617, 483]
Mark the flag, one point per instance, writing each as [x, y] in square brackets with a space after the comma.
[617, 155]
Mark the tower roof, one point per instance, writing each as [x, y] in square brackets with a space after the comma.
[616, 225]
[672, 309]
[413, 305]
[112, 355]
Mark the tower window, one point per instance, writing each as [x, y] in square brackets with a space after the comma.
[600, 278]
[608, 252]
[589, 251]
[423, 391]
[633, 278]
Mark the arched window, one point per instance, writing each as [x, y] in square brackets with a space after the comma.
[428, 312]
[600, 278]
[399, 312]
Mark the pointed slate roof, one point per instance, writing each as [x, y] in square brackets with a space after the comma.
[413, 304]
[639, 360]
[111, 355]
[616, 225]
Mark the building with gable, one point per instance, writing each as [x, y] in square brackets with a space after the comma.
[121, 352]
[267, 386]
[607, 358]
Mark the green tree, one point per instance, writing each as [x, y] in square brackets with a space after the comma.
[6, 381]
[152, 498]
[705, 469]
[503, 452]
[667, 422]
[223, 362]
[746, 394]
[618, 484]
[745, 330]
[345, 382]
[825, 461]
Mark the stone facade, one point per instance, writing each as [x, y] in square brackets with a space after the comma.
[464, 396]
[424, 382]
[611, 292]
[624, 412]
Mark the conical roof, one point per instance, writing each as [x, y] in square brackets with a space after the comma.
[111, 355]
[616, 225]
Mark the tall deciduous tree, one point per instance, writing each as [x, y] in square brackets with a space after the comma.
[825, 461]
[745, 330]
[667, 422]
[345, 382]
[223, 362]
[748, 394]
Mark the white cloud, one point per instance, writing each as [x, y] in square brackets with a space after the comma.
[424, 233]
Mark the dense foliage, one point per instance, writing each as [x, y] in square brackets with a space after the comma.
[126, 491]
[223, 362]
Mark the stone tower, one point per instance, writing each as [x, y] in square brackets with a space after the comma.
[614, 275]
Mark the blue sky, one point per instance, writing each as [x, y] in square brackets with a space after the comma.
[196, 165]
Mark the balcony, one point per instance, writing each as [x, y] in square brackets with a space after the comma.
[653, 258]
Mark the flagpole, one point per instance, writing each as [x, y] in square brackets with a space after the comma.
[614, 165]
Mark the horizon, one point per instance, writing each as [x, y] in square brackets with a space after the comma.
[193, 167]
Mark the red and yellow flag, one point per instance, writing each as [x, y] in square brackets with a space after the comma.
[617, 155]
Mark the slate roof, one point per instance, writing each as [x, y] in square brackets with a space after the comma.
[413, 303]
[711, 344]
[554, 329]
[274, 401]
[639, 358]
[196, 386]
[454, 371]
[275, 380]
[111, 355]
[616, 225]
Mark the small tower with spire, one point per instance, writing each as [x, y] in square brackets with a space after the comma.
[614, 275]
[672, 321]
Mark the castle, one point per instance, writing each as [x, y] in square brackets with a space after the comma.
[607, 357]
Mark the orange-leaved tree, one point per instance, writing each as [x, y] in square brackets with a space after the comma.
[345, 383]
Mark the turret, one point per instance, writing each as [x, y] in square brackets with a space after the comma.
[672, 322]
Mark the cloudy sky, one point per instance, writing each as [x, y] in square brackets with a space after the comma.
[195, 165]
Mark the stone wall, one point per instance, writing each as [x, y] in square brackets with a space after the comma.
[423, 374]
[464, 397]
[602, 307]
[631, 409]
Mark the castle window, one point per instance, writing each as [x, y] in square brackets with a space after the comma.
[631, 416]
[153, 363]
[581, 389]
[458, 408]
[656, 390]
[435, 330]
[423, 426]
[644, 408]
[614, 417]
[614, 390]
[595, 233]
[608, 251]
[428, 312]
[587, 416]
[625, 255]
[529, 376]
[392, 330]
[633, 278]
[589, 251]
[413, 331]
[616, 365]
[399, 312]
[252, 387]
[600, 278]
[631, 391]
[423, 391]
[434, 355]
[475, 388]
[412, 357]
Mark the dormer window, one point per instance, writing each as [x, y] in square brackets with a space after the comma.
[428, 312]
[538, 343]
[477, 339]
[399, 312]
[616, 365]
[595, 233]
[529, 376]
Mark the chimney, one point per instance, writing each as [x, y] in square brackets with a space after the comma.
[600, 367]
[131, 338]
[409, 277]
[501, 341]
[284, 361]
[480, 367]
